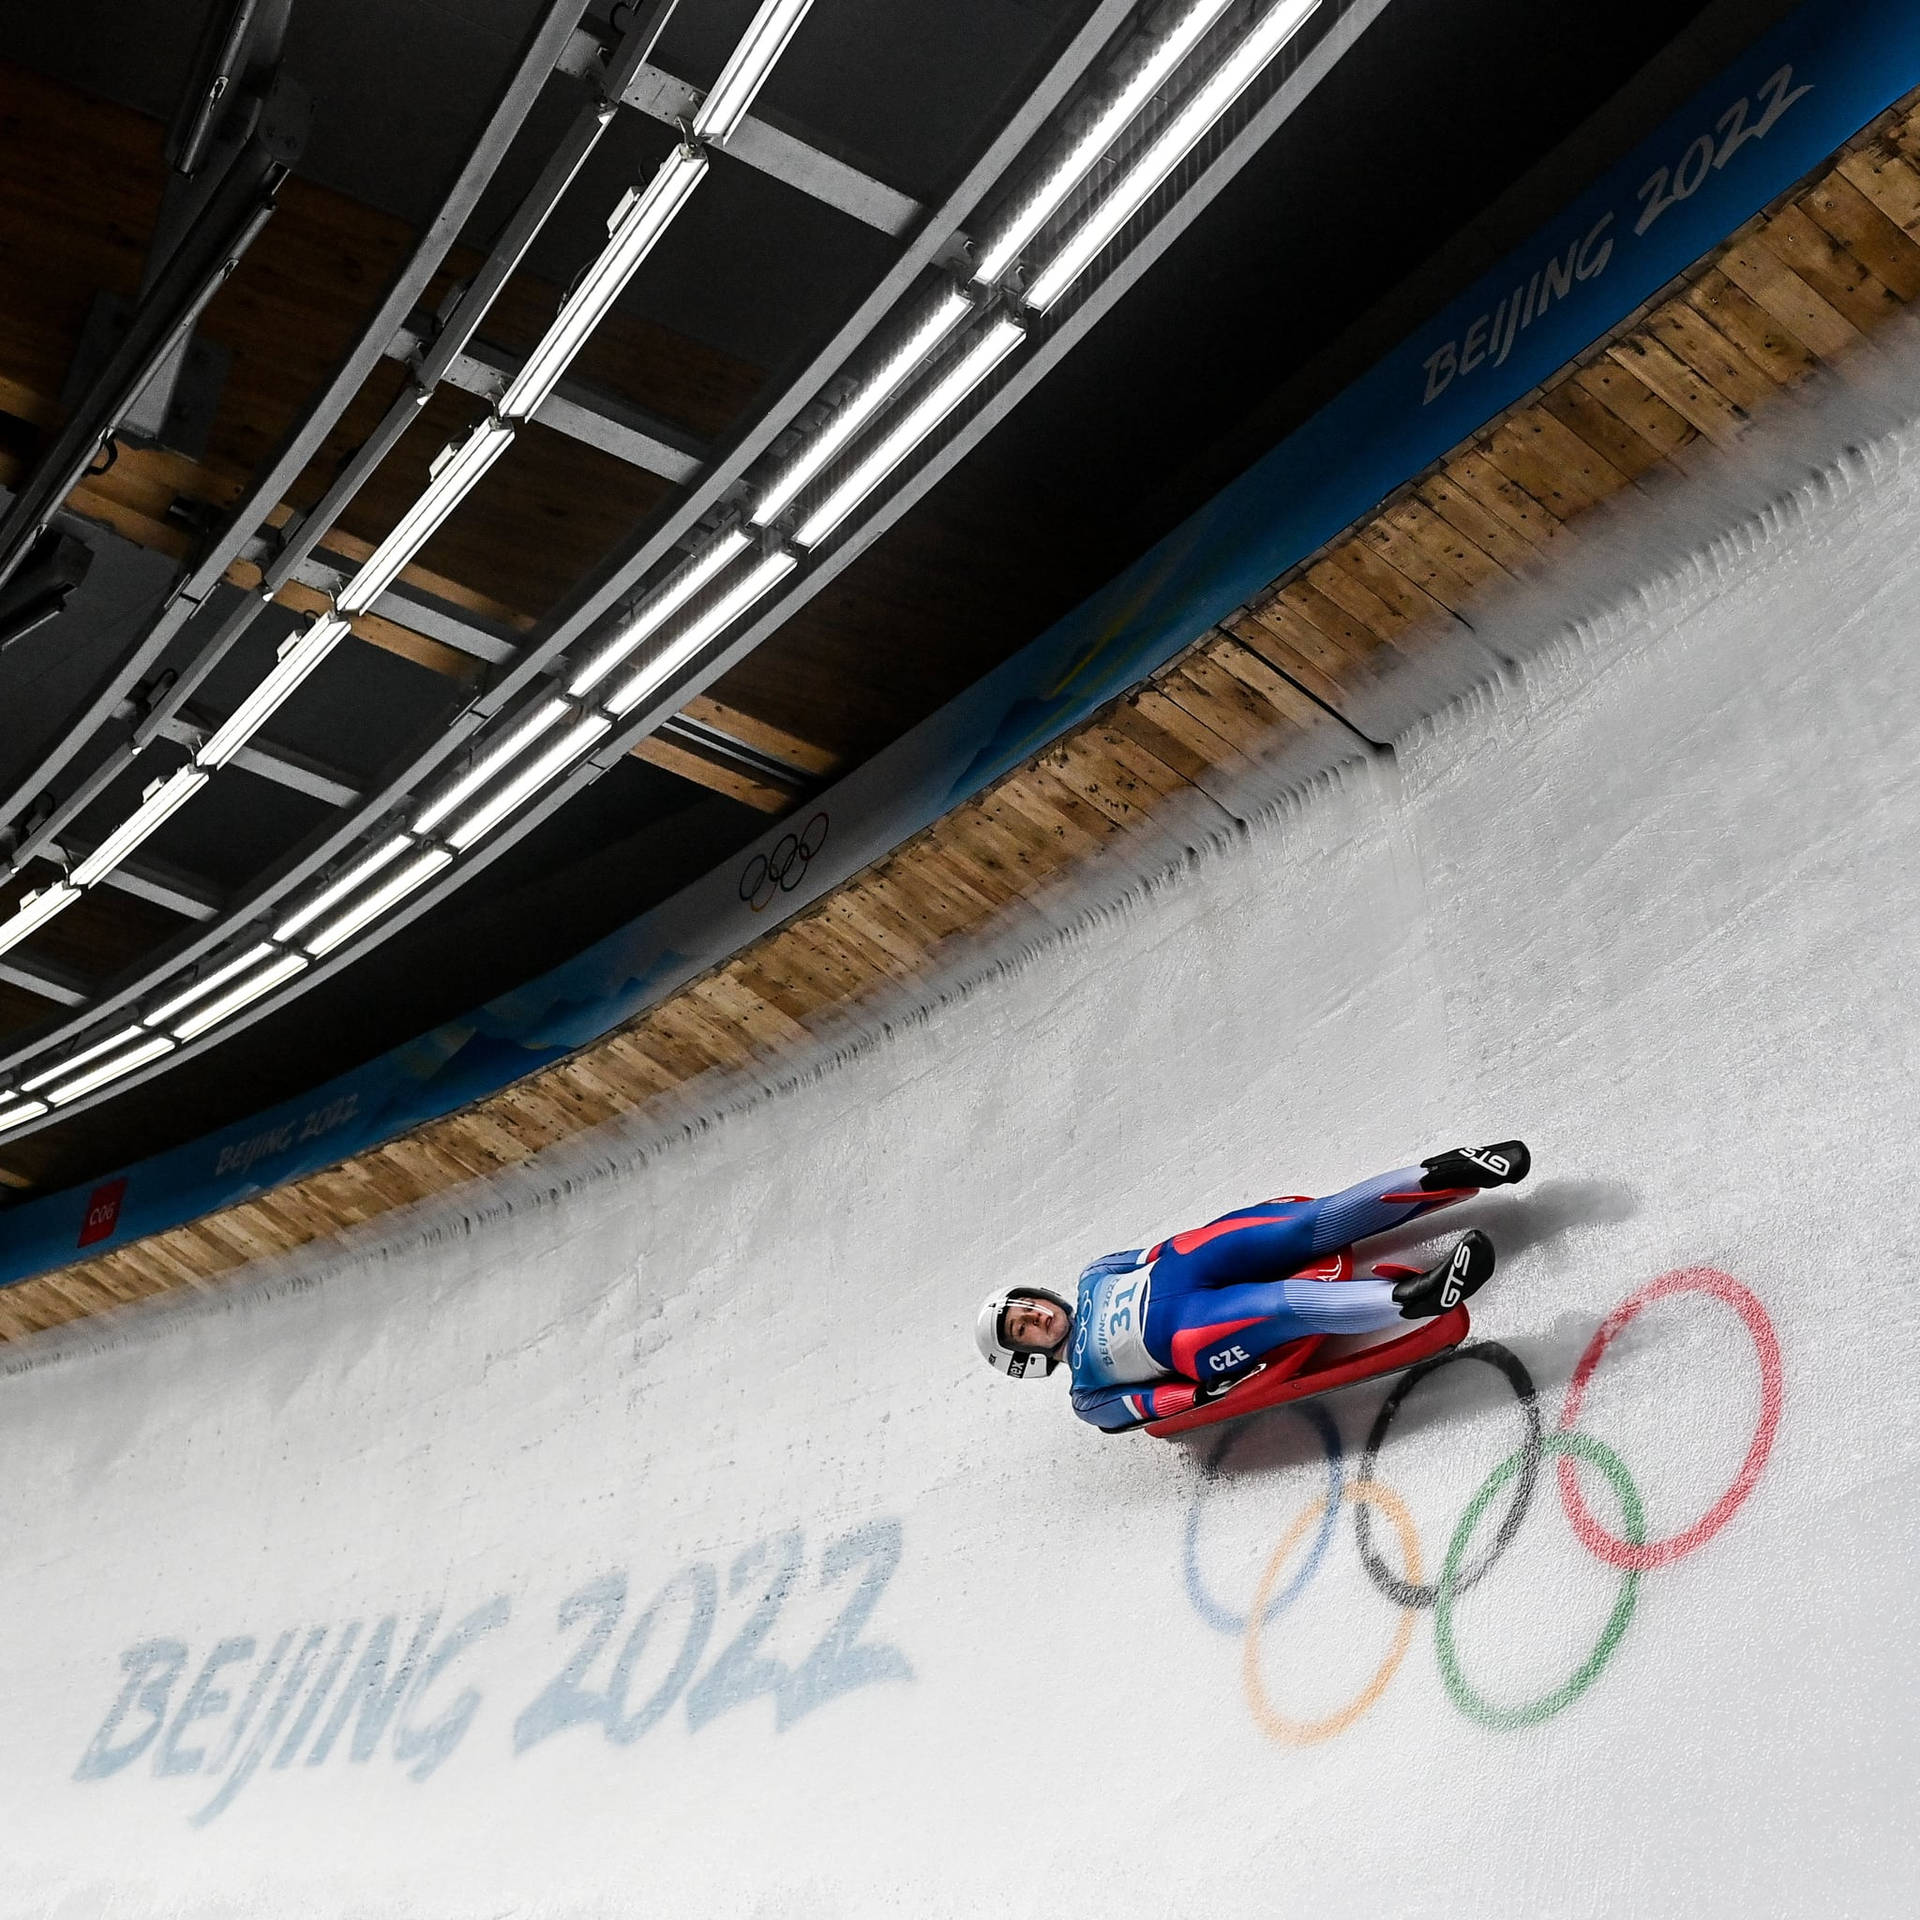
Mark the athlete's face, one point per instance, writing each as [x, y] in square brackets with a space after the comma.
[1036, 1325]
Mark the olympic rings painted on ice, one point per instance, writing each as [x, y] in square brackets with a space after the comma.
[1461, 1567]
[1204, 1604]
[1640, 1555]
[1449, 1586]
[782, 868]
[1305, 1733]
[1413, 1593]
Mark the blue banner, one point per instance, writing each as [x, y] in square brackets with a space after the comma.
[1775, 115]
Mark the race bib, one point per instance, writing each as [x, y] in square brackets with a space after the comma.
[1109, 1330]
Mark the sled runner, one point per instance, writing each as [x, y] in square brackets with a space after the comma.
[1291, 1374]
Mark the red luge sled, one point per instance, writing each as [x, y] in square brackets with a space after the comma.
[1289, 1376]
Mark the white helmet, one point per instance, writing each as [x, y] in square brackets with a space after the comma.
[1017, 1363]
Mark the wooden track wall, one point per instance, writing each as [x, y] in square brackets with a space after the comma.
[1799, 288]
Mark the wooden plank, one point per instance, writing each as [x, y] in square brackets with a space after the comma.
[1411, 606]
[873, 917]
[1499, 494]
[863, 959]
[706, 1033]
[637, 1062]
[1261, 640]
[1138, 762]
[1443, 495]
[1347, 606]
[1553, 463]
[1765, 278]
[1424, 561]
[1104, 771]
[1357, 623]
[1045, 788]
[1890, 182]
[1228, 705]
[1041, 850]
[650, 1054]
[1701, 405]
[1783, 357]
[928, 902]
[1169, 732]
[1577, 409]
[762, 735]
[1704, 350]
[729, 995]
[1255, 673]
[1854, 222]
[1281, 616]
[1622, 392]
[718, 777]
[1830, 269]
[676, 1043]
[996, 883]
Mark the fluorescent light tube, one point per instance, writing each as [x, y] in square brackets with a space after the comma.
[975, 364]
[746, 71]
[60, 1071]
[638, 221]
[542, 719]
[454, 474]
[861, 407]
[20, 1114]
[161, 801]
[659, 610]
[300, 653]
[1182, 134]
[162, 1015]
[348, 882]
[717, 618]
[117, 1068]
[254, 987]
[35, 910]
[1047, 199]
[416, 873]
[557, 758]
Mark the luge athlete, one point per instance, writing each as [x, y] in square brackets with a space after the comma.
[1155, 1330]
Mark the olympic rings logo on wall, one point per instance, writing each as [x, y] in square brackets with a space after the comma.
[768, 875]
[1468, 1558]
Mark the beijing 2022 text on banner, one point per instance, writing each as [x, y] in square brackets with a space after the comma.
[1820, 76]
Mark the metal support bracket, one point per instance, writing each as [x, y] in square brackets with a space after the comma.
[757, 143]
[581, 412]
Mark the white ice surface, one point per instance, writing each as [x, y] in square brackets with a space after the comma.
[1650, 902]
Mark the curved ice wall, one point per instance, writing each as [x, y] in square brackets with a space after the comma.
[651, 1540]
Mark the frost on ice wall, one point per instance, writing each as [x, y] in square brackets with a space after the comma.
[655, 1542]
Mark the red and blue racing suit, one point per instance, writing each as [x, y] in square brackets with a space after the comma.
[1204, 1306]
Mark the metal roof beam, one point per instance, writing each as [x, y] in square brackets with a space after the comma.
[414, 610]
[756, 142]
[580, 411]
[183, 893]
[53, 983]
[279, 764]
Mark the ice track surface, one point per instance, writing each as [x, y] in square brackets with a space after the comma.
[654, 1542]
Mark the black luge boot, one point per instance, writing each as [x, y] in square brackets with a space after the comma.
[1467, 1268]
[1505, 1164]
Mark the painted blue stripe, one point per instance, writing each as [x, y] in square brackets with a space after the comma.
[1853, 61]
